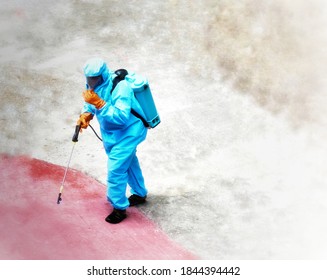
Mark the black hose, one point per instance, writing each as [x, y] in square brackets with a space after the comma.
[95, 133]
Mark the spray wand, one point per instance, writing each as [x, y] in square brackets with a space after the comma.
[74, 139]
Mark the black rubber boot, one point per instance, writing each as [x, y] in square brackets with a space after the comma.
[136, 200]
[116, 216]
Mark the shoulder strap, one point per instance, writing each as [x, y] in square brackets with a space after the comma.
[121, 74]
[136, 114]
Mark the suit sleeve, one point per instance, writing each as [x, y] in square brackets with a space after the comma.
[116, 112]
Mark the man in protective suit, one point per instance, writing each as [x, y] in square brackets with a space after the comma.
[121, 133]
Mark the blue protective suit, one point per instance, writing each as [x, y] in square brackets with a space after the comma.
[121, 133]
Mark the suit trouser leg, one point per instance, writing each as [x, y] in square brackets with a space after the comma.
[135, 178]
[119, 161]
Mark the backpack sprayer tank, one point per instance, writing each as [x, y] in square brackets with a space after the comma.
[143, 95]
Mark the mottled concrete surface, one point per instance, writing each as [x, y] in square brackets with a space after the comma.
[237, 168]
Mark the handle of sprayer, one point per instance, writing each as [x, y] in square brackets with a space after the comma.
[75, 136]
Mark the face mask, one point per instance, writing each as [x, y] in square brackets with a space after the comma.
[93, 82]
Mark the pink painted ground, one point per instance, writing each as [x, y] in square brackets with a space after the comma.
[33, 226]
